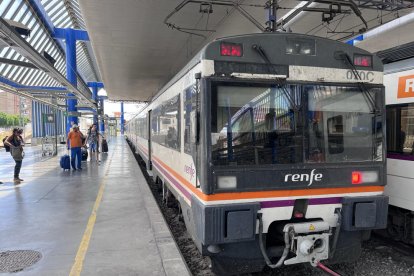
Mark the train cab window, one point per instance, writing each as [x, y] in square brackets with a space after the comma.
[335, 128]
[400, 129]
[166, 123]
[255, 124]
[341, 125]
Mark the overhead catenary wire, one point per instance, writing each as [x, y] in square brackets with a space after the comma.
[227, 3]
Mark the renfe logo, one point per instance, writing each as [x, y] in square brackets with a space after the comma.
[406, 87]
[304, 177]
[189, 170]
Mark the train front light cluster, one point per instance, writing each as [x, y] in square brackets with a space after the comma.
[363, 60]
[231, 49]
[301, 46]
[226, 182]
[364, 177]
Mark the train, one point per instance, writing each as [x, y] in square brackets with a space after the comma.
[399, 85]
[273, 145]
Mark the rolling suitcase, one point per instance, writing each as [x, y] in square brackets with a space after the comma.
[65, 162]
[84, 154]
[104, 145]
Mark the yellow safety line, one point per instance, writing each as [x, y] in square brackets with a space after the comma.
[83, 247]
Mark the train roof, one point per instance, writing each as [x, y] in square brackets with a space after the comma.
[275, 47]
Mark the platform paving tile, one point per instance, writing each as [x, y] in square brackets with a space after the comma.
[49, 212]
[174, 267]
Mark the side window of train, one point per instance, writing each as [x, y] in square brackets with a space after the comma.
[145, 126]
[190, 112]
[166, 124]
[155, 129]
[142, 126]
[400, 129]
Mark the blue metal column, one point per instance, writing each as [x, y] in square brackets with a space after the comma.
[71, 36]
[71, 76]
[95, 97]
[122, 118]
[95, 87]
[102, 122]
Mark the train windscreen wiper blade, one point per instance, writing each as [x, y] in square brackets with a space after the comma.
[279, 81]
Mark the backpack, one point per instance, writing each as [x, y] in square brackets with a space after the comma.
[7, 147]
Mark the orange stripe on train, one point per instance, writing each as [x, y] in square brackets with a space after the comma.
[267, 194]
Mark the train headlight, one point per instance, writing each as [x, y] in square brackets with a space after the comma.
[226, 182]
[364, 177]
[301, 46]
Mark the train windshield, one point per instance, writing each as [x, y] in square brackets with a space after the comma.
[265, 124]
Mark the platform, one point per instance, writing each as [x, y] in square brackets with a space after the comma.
[53, 212]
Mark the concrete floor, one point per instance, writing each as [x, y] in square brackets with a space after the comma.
[50, 210]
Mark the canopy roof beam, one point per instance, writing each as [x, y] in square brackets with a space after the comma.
[9, 36]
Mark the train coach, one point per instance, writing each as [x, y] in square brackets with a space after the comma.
[273, 145]
[399, 85]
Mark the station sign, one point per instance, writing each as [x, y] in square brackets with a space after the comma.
[49, 118]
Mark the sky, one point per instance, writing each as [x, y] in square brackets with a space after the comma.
[130, 109]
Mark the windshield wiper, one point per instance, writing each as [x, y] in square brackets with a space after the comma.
[367, 95]
[282, 85]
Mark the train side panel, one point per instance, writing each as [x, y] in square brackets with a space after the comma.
[398, 82]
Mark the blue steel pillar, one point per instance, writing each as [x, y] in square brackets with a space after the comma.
[122, 118]
[95, 87]
[102, 122]
[94, 98]
[71, 36]
[71, 76]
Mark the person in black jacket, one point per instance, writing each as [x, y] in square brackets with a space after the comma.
[16, 143]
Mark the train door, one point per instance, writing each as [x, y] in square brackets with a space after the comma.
[149, 166]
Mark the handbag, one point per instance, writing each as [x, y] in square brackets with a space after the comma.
[17, 153]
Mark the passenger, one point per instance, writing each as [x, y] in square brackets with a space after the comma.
[16, 143]
[172, 138]
[269, 121]
[93, 141]
[402, 140]
[270, 129]
[74, 143]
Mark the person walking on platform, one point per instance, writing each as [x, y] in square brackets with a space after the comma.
[16, 143]
[74, 143]
[93, 141]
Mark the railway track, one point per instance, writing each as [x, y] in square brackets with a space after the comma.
[396, 249]
[197, 264]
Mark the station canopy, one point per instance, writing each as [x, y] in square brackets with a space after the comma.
[32, 61]
[136, 46]
[138, 50]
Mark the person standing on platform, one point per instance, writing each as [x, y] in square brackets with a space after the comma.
[16, 143]
[93, 141]
[74, 143]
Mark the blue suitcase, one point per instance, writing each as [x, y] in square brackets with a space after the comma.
[65, 162]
